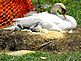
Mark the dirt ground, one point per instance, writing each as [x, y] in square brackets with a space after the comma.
[51, 41]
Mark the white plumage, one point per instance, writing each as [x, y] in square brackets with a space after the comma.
[48, 21]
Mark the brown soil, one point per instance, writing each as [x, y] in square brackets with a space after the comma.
[51, 41]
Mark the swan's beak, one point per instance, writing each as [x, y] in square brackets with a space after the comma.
[64, 12]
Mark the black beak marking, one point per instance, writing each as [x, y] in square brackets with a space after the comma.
[63, 11]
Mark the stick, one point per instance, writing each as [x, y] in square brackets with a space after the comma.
[41, 46]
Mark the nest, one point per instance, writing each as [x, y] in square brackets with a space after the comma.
[51, 41]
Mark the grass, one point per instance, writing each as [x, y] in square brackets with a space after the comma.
[73, 7]
[68, 56]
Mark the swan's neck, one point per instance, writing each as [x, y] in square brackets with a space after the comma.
[54, 10]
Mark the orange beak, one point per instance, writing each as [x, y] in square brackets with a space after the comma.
[64, 16]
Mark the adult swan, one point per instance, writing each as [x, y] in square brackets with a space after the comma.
[48, 21]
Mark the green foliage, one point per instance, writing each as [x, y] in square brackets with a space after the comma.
[68, 56]
[73, 7]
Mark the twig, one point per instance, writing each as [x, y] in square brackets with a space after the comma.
[41, 46]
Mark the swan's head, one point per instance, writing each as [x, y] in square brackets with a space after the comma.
[58, 7]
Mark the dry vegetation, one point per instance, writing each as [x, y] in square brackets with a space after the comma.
[51, 41]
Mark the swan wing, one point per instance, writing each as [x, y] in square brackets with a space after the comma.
[50, 18]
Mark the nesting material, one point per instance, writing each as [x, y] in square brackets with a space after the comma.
[52, 41]
[19, 53]
[51, 34]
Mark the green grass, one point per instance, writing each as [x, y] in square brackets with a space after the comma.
[68, 56]
[73, 7]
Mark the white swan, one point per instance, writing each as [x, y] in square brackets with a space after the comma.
[47, 21]
[65, 22]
